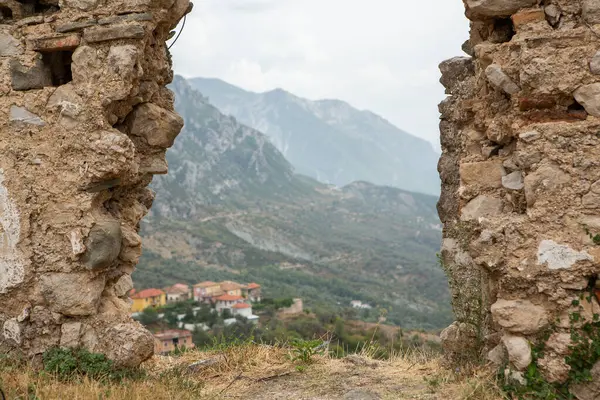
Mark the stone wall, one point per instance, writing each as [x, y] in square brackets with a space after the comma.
[85, 119]
[520, 132]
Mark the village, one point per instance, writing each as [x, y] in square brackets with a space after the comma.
[175, 314]
[230, 300]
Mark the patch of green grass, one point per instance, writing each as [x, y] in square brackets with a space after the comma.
[68, 364]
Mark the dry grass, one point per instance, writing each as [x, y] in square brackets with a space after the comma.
[251, 371]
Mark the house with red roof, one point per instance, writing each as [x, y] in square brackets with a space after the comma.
[242, 309]
[178, 292]
[205, 291]
[252, 292]
[227, 301]
[210, 292]
[232, 288]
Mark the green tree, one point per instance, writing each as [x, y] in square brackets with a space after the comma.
[226, 314]
[149, 316]
[171, 318]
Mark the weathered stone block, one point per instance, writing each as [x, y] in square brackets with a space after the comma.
[37, 76]
[72, 294]
[66, 101]
[102, 34]
[481, 206]
[456, 70]
[103, 244]
[545, 180]
[158, 126]
[75, 26]
[595, 64]
[70, 334]
[557, 256]
[536, 103]
[21, 115]
[519, 351]
[9, 46]
[590, 11]
[513, 181]
[498, 79]
[525, 17]
[126, 17]
[496, 8]
[86, 66]
[559, 343]
[589, 97]
[123, 285]
[54, 43]
[154, 165]
[128, 345]
[530, 136]
[34, 20]
[553, 14]
[485, 174]
[519, 316]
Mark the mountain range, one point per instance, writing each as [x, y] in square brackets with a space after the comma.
[330, 140]
[233, 207]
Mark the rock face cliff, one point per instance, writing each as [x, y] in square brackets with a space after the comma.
[329, 140]
[85, 119]
[521, 182]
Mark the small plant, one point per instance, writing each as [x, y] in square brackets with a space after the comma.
[304, 350]
[68, 364]
[595, 238]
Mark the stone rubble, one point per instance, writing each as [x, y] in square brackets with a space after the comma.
[520, 175]
[85, 120]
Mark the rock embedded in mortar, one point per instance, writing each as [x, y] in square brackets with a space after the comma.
[589, 97]
[519, 351]
[519, 316]
[481, 206]
[103, 244]
[498, 79]
[513, 181]
[158, 126]
[72, 294]
[590, 11]
[496, 8]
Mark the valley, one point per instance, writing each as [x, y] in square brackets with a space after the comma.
[232, 207]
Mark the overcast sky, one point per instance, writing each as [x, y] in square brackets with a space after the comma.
[380, 55]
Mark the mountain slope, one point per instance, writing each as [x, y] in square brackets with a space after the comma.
[330, 140]
[231, 207]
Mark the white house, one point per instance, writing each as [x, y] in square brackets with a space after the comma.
[243, 309]
[359, 304]
[178, 292]
[227, 301]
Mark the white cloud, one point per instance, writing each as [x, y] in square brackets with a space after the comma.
[380, 55]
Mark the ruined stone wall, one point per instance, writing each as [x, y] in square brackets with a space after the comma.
[520, 132]
[85, 119]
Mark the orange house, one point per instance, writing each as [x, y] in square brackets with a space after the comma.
[205, 291]
[231, 288]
